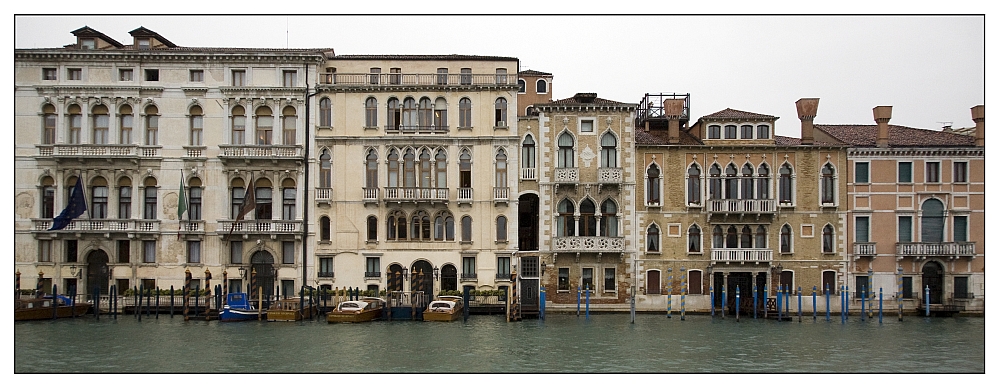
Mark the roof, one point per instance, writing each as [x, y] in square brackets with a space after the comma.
[661, 137]
[534, 73]
[87, 31]
[794, 141]
[968, 131]
[435, 57]
[145, 32]
[586, 99]
[899, 136]
[737, 114]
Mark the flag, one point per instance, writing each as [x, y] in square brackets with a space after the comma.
[249, 204]
[181, 206]
[77, 205]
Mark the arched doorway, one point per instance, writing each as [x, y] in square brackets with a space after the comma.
[449, 278]
[97, 272]
[933, 278]
[422, 277]
[263, 263]
[394, 278]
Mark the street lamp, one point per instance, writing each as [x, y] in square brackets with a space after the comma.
[243, 272]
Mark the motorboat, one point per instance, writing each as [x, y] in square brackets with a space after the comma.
[364, 310]
[444, 308]
[239, 308]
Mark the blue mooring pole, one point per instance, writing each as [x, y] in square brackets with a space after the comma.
[800, 303]
[778, 296]
[577, 301]
[826, 290]
[814, 303]
[927, 301]
[670, 289]
[842, 307]
[723, 301]
[765, 302]
[880, 305]
[788, 301]
[587, 316]
[684, 291]
[711, 300]
[737, 303]
[541, 303]
[755, 301]
[863, 297]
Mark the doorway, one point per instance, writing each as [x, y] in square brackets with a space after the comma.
[263, 263]
[653, 282]
[933, 278]
[97, 272]
[527, 222]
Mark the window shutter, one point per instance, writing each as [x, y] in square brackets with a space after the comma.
[861, 229]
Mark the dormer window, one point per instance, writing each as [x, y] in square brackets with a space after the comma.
[142, 44]
[88, 44]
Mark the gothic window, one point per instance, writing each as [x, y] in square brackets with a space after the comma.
[565, 151]
[652, 238]
[653, 185]
[715, 182]
[371, 169]
[609, 150]
[828, 239]
[748, 180]
[392, 116]
[326, 112]
[588, 222]
[564, 220]
[785, 184]
[371, 112]
[441, 168]
[732, 183]
[325, 170]
[425, 168]
[528, 152]
[393, 167]
[500, 112]
[763, 182]
[501, 168]
[694, 185]
[828, 184]
[786, 239]
[609, 218]
[409, 168]
[694, 239]
[465, 169]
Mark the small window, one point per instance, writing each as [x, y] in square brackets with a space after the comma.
[49, 74]
[860, 230]
[373, 75]
[124, 74]
[520, 86]
[905, 229]
[563, 284]
[905, 172]
[124, 251]
[861, 172]
[466, 78]
[961, 174]
[541, 87]
[324, 228]
[71, 251]
[730, 132]
[442, 76]
[149, 251]
[501, 76]
[239, 77]
[763, 132]
[933, 172]
[503, 267]
[45, 251]
[501, 228]
[610, 284]
[287, 252]
[714, 132]
[907, 287]
[587, 279]
[325, 267]
[194, 251]
[288, 78]
[746, 132]
[152, 75]
[961, 232]
[236, 252]
[143, 43]
[587, 126]
[197, 76]
[88, 43]
[828, 242]
[74, 74]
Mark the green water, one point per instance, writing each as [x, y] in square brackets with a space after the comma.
[488, 344]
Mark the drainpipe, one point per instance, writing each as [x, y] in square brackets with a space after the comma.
[305, 183]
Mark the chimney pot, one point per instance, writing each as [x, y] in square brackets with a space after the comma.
[979, 117]
[806, 108]
[882, 115]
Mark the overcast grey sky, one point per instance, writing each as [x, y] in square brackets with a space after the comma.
[931, 69]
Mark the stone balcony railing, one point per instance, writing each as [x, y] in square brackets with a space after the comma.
[260, 226]
[741, 255]
[588, 244]
[609, 175]
[528, 173]
[745, 206]
[464, 195]
[263, 152]
[566, 175]
[102, 151]
[418, 194]
[412, 79]
[370, 194]
[193, 226]
[501, 194]
[102, 225]
[864, 249]
[967, 248]
[323, 194]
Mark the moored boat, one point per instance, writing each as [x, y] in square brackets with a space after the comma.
[364, 310]
[444, 309]
[288, 310]
[41, 308]
[239, 308]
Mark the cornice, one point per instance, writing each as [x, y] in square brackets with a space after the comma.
[974, 152]
[168, 56]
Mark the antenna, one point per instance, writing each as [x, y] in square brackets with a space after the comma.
[945, 124]
[286, 32]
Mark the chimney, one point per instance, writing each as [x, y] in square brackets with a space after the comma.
[673, 109]
[806, 108]
[979, 117]
[882, 116]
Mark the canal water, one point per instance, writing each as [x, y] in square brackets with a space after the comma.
[606, 343]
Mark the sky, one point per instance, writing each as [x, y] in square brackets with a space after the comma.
[931, 69]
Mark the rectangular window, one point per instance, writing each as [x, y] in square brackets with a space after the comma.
[961, 228]
[860, 172]
[287, 288]
[239, 77]
[99, 202]
[587, 279]
[730, 132]
[74, 74]
[503, 267]
[905, 172]
[124, 251]
[149, 203]
[75, 122]
[288, 130]
[373, 75]
[288, 78]
[933, 172]
[563, 279]
[442, 76]
[288, 204]
[961, 174]
[88, 44]
[714, 132]
[197, 127]
[325, 267]
[71, 251]
[197, 76]
[124, 74]
[763, 132]
[861, 229]
[501, 76]
[905, 229]
[152, 74]
[149, 284]
[194, 252]
[609, 280]
[287, 252]
[587, 126]
[49, 74]
[45, 251]
[746, 132]
[100, 128]
[466, 76]
[236, 252]
[395, 76]
[143, 43]
[907, 287]
[149, 251]
[125, 202]
[372, 266]
[194, 203]
[469, 267]
[962, 287]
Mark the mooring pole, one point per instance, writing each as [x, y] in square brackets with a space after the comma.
[863, 297]
[97, 303]
[755, 300]
[588, 302]
[899, 292]
[927, 301]
[711, 300]
[632, 304]
[814, 303]
[880, 305]
[799, 291]
[157, 303]
[765, 302]
[737, 303]
[171, 301]
[541, 303]
[578, 301]
[113, 302]
[777, 295]
[684, 291]
[670, 289]
[55, 300]
[723, 301]
[826, 291]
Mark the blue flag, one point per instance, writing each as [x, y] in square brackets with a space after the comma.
[77, 206]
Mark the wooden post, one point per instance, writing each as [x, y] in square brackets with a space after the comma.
[187, 287]
[260, 303]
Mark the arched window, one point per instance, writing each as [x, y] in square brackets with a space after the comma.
[124, 199]
[420, 226]
[440, 114]
[652, 238]
[262, 194]
[786, 239]
[444, 227]
[409, 168]
[371, 112]
[237, 193]
[588, 222]
[715, 182]
[371, 170]
[265, 125]
[653, 185]
[609, 150]
[500, 112]
[425, 168]
[747, 189]
[466, 228]
[520, 86]
[714, 132]
[99, 198]
[326, 112]
[149, 199]
[730, 132]
[761, 241]
[732, 182]
[195, 193]
[288, 199]
[49, 197]
[197, 122]
[565, 151]
[763, 132]
[409, 114]
[541, 86]
[396, 226]
[609, 218]
[528, 153]
[828, 185]
[324, 228]
[465, 169]
[372, 228]
[565, 223]
[694, 185]
[501, 168]
[694, 239]
[441, 168]
[501, 228]
[828, 239]
[746, 237]
[48, 124]
[932, 221]
[763, 182]
[392, 115]
[746, 132]
[239, 125]
[425, 116]
[785, 184]
[732, 239]
[717, 239]
[393, 167]
[325, 170]
[152, 125]
[288, 120]
[465, 113]
[99, 117]
[124, 124]
[75, 121]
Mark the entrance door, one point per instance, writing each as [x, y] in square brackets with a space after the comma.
[449, 278]
[527, 223]
[743, 280]
[529, 293]
[263, 263]
[394, 278]
[97, 272]
[933, 277]
[422, 278]
[653, 283]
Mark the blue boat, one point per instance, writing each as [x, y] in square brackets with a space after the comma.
[239, 308]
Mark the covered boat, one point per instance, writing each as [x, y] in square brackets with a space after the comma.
[364, 310]
[444, 308]
[288, 310]
[42, 308]
[239, 308]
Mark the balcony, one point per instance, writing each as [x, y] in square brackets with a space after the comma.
[415, 194]
[596, 244]
[864, 249]
[370, 194]
[194, 152]
[923, 249]
[323, 194]
[247, 153]
[468, 277]
[324, 274]
[464, 195]
[741, 255]
[99, 151]
[410, 79]
[741, 206]
[373, 275]
[528, 173]
[193, 226]
[416, 129]
[502, 277]
[104, 225]
[501, 194]
[566, 175]
[259, 227]
[609, 176]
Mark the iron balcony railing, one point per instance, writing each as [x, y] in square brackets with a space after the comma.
[468, 277]
[416, 194]
[503, 276]
[260, 151]
[373, 275]
[101, 225]
[741, 255]
[412, 79]
[324, 274]
[261, 226]
[588, 244]
[748, 206]
[967, 248]
[864, 249]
